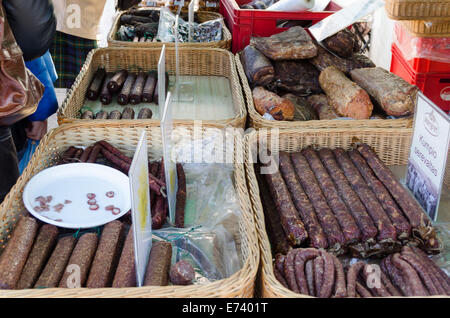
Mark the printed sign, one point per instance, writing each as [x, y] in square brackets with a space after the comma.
[428, 157]
[170, 168]
[140, 208]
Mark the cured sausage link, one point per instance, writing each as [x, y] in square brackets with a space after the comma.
[352, 276]
[326, 217]
[304, 207]
[348, 225]
[340, 288]
[301, 257]
[357, 209]
[393, 211]
[411, 276]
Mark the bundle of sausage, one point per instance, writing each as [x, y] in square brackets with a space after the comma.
[408, 273]
[343, 201]
[291, 62]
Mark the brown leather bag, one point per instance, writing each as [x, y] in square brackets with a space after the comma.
[20, 90]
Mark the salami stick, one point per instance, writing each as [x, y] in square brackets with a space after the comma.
[160, 206]
[441, 275]
[145, 113]
[157, 273]
[117, 80]
[42, 247]
[105, 94]
[400, 223]
[301, 257]
[304, 207]
[125, 275]
[309, 272]
[357, 209]
[82, 256]
[107, 256]
[340, 288]
[326, 287]
[68, 154]
[154, 170]
[292, 225]
[93, 155]
[96, 84]
[101, 115]
[409, 205]
[386, 230]
[115, 114]
[411, 277]
[14, 256]
[289, 270]
[348, 225]
[352, 275]
[149, 87]
[128, 113]
[138, 87]
[318, 265]
[275, 232]
[378, 288]
[85, 155]
[395, 275]
[326, 217]
[124, 96]
[181, 197]
[54, 269]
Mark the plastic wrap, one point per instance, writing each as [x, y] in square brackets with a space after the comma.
[430, 48]
[208, 31]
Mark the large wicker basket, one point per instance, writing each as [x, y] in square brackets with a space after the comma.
[425, 28]
[392, 145]
[195, 62]
[200, 16]
[240, 284]
[418, 10]
[258, 121]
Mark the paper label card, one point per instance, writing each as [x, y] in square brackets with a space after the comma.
[140, 207]
[428, 156]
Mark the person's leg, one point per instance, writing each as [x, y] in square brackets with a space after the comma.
[9, 166]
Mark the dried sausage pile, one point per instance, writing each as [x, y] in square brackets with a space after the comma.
[345, 202]
[329, 82]
[315, 272]
[43, 256]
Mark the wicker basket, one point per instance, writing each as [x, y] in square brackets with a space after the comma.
[200, 62]
[201, 16]
[392, 145]
[418, 10]
[432, 29]
[240, 284]
[258, 121]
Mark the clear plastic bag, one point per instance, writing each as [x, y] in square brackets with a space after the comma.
[208, 31]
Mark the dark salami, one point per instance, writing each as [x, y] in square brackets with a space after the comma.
[107, 256]
[157, 273]
[357, 209]
[54, 269]
[395, 275]
[127, 113]
[386, 230]
[301, 257]
[42, 247]
[275, 232]
[326, 287]
[96, 84]
[298, 77]
[181, 197]
[82, 256]
[289, 270]
[85, 155]
[14, 256]
[156, 92]
[318, 265]
[181, 273]
[419, 221]
[348, 225]
[326, 217]
[138, 87]
[352, 276]
[160, 206]
[340, 287]
[125, 275]
[304, 207]
[115, 114]
[117, 80]
[411, 276]
[145, 113]
[101, 115]
[341, 43]
[87, 115]
[68, 154]
[149, 87]
[124, 95]
[258, 68]
[393, 211]
[93, 155]
[105, 94]
[292, 225]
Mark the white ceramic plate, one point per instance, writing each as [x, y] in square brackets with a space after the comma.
[73, 182]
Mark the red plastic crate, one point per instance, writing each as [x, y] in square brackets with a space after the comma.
[435, 86]
[244, 23]
[416, 49]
